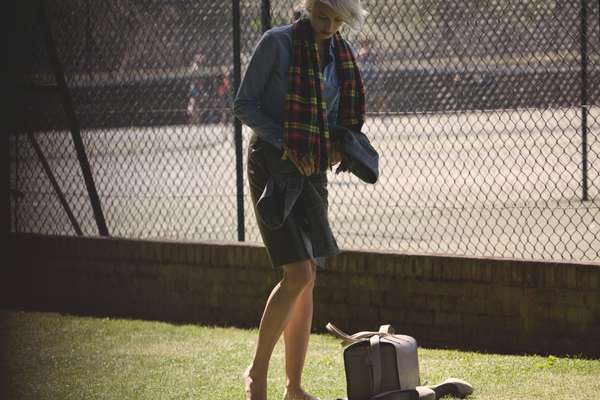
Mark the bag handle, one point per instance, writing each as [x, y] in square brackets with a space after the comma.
[384, 330]
[389, 329]
[375, 361]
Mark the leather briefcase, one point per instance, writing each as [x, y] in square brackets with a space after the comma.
[379, 365]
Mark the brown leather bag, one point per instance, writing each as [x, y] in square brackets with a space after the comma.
[379, 365]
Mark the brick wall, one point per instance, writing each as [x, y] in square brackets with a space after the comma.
[471, 303]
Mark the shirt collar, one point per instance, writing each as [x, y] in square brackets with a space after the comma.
[332, 47]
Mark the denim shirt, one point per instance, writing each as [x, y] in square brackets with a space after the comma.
[260, 100]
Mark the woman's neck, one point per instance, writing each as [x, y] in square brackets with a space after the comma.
[323, 46]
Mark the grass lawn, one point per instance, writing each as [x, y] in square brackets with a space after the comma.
[54, 356]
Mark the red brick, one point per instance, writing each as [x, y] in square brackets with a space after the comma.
[448, 319]
[579, 318]
[485, 271]
[592, 302]
[594, 278]
[389, 268]
[396, 298]
[392, 315]
[487, 322]
[517, 274]
[364, 282]
[377, 265]
[437, 272]
[533, 275]
[402, 265]
[549, 276]
[423, 269]
[337, 312]
[419, 317]
[260, 258]
[502, 273]
[351, 264]
[583, 278]
[571, 277]
[560, 276]
[572, 298]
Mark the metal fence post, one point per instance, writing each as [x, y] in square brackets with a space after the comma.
[14, 26]
[237, 74]
[71, 119]
[15, 216]
[265, 13]
[584, 98]
[59, 193]
[88, 40]
[6, 224]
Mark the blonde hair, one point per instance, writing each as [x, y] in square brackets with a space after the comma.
[351, 11]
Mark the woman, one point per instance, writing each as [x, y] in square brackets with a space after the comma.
[302, 80]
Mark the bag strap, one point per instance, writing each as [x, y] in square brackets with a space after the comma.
[375, 363]
[387, 329]
[384, 330]
[409, 394]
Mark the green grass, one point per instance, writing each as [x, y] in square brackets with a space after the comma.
[54, 356]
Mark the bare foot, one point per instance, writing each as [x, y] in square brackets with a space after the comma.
[298, 395]
[256, 388]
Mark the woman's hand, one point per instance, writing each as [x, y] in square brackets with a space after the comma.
[305, 165]
[336, 156]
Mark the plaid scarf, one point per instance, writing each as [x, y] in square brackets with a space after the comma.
[305, 124]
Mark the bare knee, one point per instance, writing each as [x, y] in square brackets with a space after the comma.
[298, 276]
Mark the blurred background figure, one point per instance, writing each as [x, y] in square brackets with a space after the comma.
[210, 94]
[224, 99]
[194, 106]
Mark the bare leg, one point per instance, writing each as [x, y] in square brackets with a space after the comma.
[275, 317]
[296, 335]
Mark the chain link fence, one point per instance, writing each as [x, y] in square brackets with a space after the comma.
[486, 116]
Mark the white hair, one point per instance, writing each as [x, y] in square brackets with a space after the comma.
[351, 11]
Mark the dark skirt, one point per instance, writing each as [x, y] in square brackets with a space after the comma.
[289, 243]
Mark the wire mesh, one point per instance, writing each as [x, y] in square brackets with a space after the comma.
[476, 108]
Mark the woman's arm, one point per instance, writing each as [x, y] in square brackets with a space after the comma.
[247, 105]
